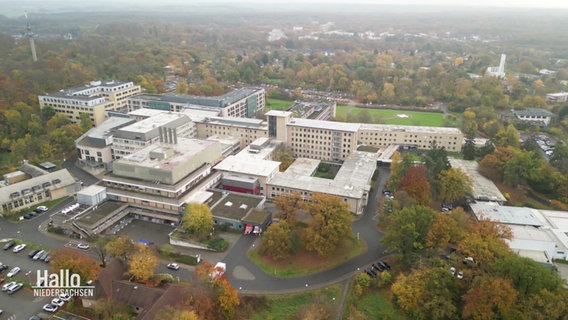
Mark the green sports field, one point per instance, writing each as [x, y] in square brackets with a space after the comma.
[276, 104]
[390, 116]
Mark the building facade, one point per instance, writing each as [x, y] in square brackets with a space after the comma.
[93, 100]
[240, 103]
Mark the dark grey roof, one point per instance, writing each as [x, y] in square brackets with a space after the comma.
[219, 101]
[537, 112]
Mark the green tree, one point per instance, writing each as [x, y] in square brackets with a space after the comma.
[559, 158]
[468, 149]
[198, 220]
[407, 231]
[454, 185]
[331, 223]
[528, 276]
[436, 161]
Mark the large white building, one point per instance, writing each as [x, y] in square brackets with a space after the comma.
[94, 100]
[335, 141]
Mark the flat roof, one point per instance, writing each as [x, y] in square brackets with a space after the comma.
[279, 113]
[508, 215]
[482, 188]
[325, 125]
[199, 115]
[145, 112]
[218, 101]
[351, 181]
[235, 206]
[92, 190]
[259, 154]
[401, 128]
[303, 167]
[158, 120]
[234, 121]
[54, 180]
[94, 218]
[103, 130]
[539, 112]
[181, 152]
[243, 165]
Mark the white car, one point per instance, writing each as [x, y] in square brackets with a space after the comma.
[42, 208]
[13, 272]
[57, 302]
[19, 247]
[65, 297]
[460, 275]
[83, 246]
[8, 285]
[49, 308]
[173, 266]
[15, 288]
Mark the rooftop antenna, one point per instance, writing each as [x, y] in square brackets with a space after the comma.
[30, 35]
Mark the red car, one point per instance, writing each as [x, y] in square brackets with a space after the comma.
[248, 229]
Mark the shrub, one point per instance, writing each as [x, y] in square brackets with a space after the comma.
[186, 259]
[217, 244]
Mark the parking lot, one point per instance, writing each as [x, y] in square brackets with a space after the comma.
[22, 304]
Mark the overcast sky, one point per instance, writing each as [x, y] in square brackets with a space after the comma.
[485, 3]
[488, 3]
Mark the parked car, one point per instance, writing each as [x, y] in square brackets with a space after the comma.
[47, 259]
[384, 265]
[33, 253]
[256, 230]
[369, 273]
[42, 209]
[13, 272]
[9, 244]
[29, 215]
[57, 302]
[378, 267]
[49, 308]
[3, 268]
[8, 285]
[248, 229]
[19, 247]
[43, 255]
[15, 288]
[65, 297]
[453, 271]
[173, 266]
[38, 254]
[83, 246]
[460, 275]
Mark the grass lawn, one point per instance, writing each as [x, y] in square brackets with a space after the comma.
[276, 104]
[390, 116]
[287, 306]
[305, 262]
[374, 304]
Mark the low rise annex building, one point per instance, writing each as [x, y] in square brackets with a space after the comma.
[31, 186]
[541, 235]
[483, 189]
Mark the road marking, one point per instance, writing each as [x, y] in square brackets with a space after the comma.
[13, 317]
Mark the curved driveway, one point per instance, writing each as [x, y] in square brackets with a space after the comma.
[247, 277]
[242, 272]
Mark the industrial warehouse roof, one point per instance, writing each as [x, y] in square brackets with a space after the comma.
[482, 188]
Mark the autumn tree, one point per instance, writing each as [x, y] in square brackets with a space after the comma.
[416, 184]
[444, 230]
[485, 241]
[427, 294]
[198, 220]
[489, 298]
[289, 204]
[76, 262]
[330, 224]
[407, 231]
[120, 247]
[545, 305]
[286, 158]
[109, 309]
[177, 313]
[277, 241]
[100, 249]
[454, 185]
[318, 310]
[227, 297]
[142, 263]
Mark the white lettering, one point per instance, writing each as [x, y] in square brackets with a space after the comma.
[42, 278]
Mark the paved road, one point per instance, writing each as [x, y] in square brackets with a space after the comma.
[243, 274]
[247, 277]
